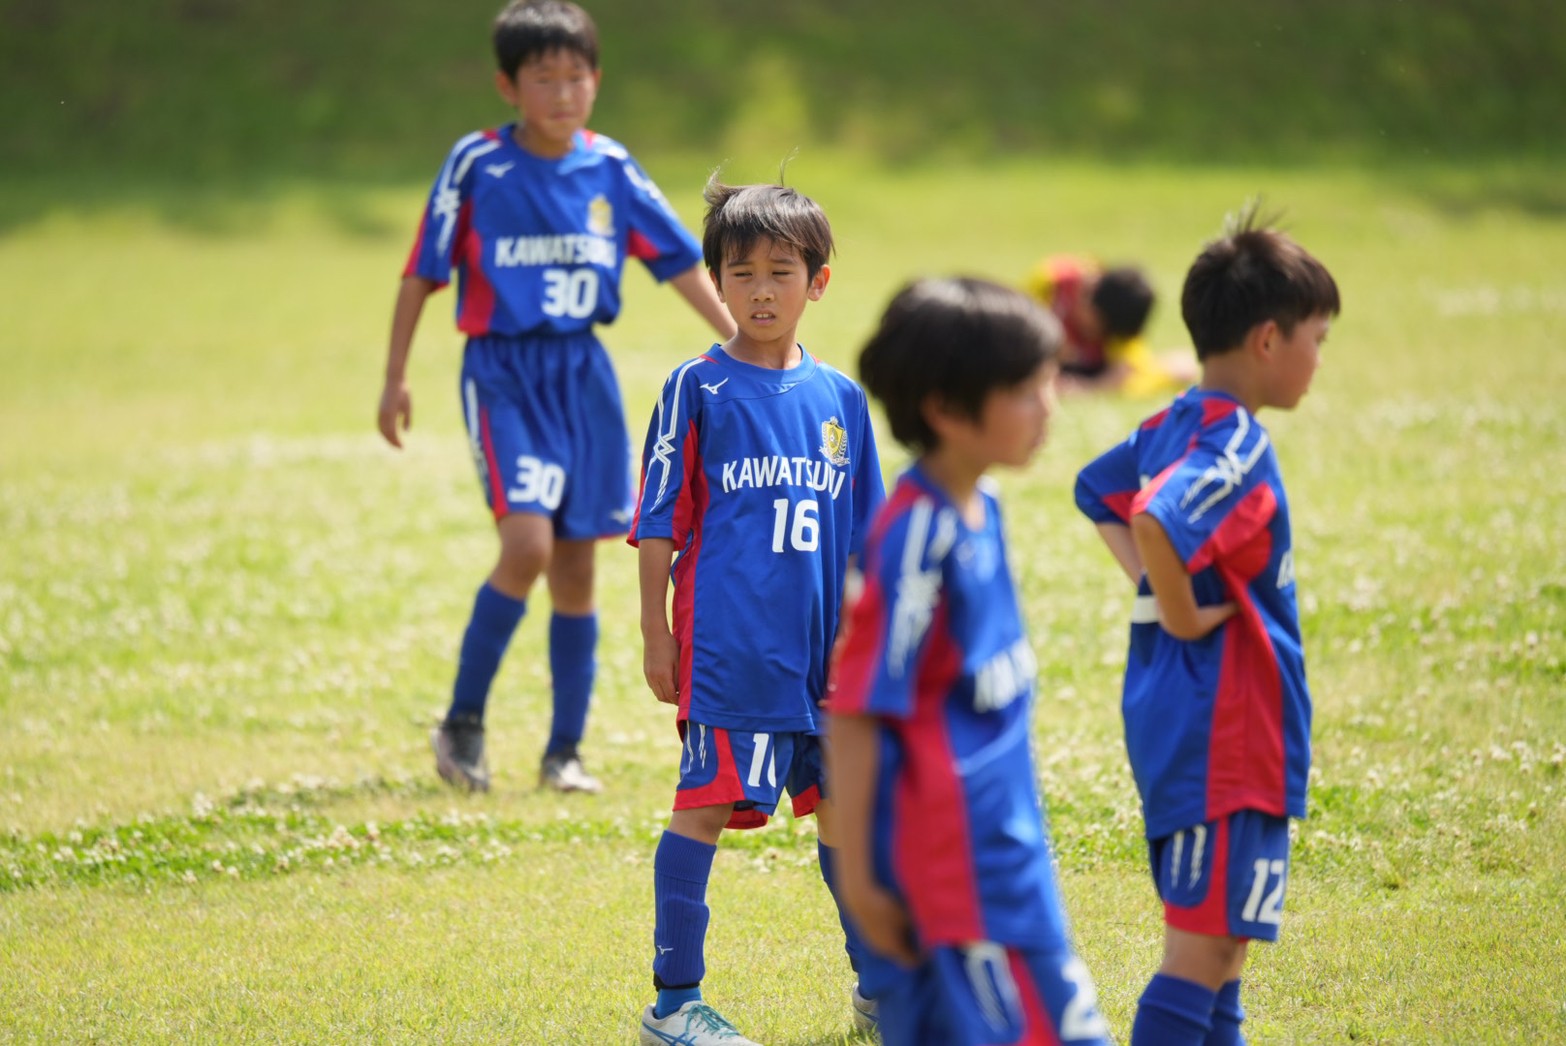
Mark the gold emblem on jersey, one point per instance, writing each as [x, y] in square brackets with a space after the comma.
[834, 442]
[600, 217]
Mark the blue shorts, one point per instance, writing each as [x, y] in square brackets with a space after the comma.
[720, 766]
[547, 428]
[985, 994]
[1225, 878]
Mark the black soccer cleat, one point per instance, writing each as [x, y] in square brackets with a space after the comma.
[459, 752]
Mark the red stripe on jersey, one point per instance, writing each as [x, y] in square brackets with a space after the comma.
[1247, 723]
[1216, 408]
[859, 658]
[690, 505]
[478, 294]
[1120, 503]
[497, 486]
[933, 845]
[1155, 421]
[1211, 917]
[639, 246]
[860, 652]
[1038, 1027]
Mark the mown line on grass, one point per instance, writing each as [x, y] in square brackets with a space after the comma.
[262, 831]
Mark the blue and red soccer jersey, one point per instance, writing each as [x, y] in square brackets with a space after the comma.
[1222, 723]
[766, 482]
[539, 244]
[936, 651]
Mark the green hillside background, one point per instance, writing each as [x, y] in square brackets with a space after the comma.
[195, 90]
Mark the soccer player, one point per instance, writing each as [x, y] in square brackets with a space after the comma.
[1217, 714]
[760, 473]
[537, 217]
[1103, 312]
[944, 859]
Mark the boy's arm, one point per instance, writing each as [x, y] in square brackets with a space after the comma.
[1178, 612]
[696, 288]
[852, 756]
[660, 652]
[1123, 547]
[396, 400]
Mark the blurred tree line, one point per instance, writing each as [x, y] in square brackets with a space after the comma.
[202, 89]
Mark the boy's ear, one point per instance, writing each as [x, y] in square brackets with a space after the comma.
[1261, 339]
[938, 414]
[818, 284]
[507, 88]
[717, 284]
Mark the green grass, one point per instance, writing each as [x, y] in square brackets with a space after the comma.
[228, 615]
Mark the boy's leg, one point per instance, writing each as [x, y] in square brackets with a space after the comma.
[1180, 1005]
[711, 784]
[1223, 885]
[1228, 1015]
[573, 641]
[498, 608]
[506, 447]
[682, 867]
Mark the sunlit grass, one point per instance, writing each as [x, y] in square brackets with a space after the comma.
[228, 616]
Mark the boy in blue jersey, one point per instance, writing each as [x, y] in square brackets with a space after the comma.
[1217, 714]
[760, 475]
[537, 218]
[944, 859]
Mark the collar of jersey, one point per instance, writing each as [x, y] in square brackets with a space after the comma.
[581, 153]
[792, 376]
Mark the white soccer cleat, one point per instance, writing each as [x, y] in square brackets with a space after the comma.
[867, 1016]
[563, 772]
[694, 1024]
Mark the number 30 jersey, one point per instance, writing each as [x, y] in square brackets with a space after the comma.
[539, 244]
[766, 482]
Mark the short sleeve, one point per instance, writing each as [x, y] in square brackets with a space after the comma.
[443, 225]
[669, 455]
[1203, 500]
[1108, 484]
[657, 236]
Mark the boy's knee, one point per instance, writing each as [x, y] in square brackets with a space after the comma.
[702, 823]
[525, 545]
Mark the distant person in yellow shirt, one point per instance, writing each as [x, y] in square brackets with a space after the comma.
[1104, 312]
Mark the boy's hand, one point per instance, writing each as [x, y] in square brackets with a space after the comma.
[882, 922]
[660, 660]
[396, 406]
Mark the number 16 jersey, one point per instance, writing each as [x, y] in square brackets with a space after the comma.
[766, 482]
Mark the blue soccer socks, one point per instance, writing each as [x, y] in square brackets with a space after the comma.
[852, 943]
[681, 869]
[1173, 1012]
[1228, 1015]
[495, 618]
[573, 642]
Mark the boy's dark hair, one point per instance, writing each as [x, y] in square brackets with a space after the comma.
[1123, 298]
[956, 339]
[1252, 274]
[525, 29]
[739, 215]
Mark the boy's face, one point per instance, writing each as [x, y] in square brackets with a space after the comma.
[766, 289]
[553, 94]
[1012, 425]
[1293, 361]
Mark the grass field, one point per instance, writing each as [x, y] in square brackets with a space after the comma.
[228, 616]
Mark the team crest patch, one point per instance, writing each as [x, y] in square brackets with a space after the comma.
[600, 217]
[834, 442]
